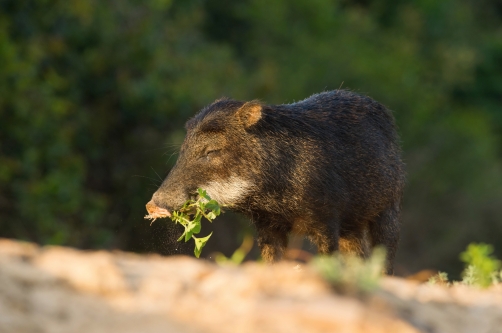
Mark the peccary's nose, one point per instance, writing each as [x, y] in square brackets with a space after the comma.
[152, 209]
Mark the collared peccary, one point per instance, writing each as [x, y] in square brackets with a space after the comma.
[328, 167]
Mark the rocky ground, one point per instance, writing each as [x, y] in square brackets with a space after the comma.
[55, 289]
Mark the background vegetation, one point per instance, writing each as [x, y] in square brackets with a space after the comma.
[93, 96]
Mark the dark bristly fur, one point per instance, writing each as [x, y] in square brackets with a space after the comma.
[329, 167]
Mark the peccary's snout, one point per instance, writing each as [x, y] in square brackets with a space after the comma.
[168, 198]
[153, 209]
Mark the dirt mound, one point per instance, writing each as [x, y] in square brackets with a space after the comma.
[55, 289]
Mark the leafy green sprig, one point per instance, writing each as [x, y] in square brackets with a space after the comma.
[205, 207]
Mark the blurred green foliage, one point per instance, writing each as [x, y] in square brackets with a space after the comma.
[482, 268]
[351, 274]
[93, 93]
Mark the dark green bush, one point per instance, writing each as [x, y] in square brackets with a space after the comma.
[94, 94]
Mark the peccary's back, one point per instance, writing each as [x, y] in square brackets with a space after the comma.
[344, 148]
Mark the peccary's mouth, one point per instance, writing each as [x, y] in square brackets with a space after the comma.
[155, 212]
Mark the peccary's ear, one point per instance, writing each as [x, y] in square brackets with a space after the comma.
[249, 113]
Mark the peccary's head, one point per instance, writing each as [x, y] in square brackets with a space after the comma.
[219, 154]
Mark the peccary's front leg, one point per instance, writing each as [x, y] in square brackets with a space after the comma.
[272, 239]
[272, 246]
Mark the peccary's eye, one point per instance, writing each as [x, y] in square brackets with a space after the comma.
[212, 153]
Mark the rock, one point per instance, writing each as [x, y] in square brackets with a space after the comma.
[56, 289]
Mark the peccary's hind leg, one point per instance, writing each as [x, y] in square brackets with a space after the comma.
[384, 230]
[357, 243]
[325, 238]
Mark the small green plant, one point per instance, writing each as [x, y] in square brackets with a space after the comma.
[482, 268]
[205, 207]
[350, 273]
[469, 276]
[441, 278]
